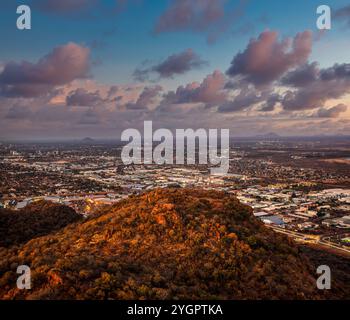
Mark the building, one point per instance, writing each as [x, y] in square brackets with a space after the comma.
[276, 220]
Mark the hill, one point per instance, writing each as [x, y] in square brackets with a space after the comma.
[87, 140]
[165, 244]
[269, 136]
[34, 220]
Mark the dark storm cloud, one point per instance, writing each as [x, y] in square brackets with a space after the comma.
[61, 66]
[175, 64]
[266, 59]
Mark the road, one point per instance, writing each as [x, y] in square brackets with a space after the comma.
[314, 239]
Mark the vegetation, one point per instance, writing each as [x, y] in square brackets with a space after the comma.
[165, 244]
[339, 265]
[34, 220]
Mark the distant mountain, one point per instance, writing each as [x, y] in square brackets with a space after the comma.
[267, 136]
[165, 244]
[87, 140]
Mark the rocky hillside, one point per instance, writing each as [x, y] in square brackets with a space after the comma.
[165, 244]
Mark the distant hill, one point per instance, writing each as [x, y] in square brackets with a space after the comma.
[87, 140]
[165, 244]
[34, 220]
[268, 136]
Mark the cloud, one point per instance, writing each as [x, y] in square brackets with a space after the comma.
[331, 83]
[57, 85]
[337, 72]
[247, 97]
[82, 9]
[333, 112]
[266, 59]
[343, 14]
[63, 6]
[18, 112]
[302, 76]
[210, 91]
[61, 66]
[89, 117]
[195, 15]
[175, 64]
[56, 113]
[271, 103]
[81, 97]
[216, 91]
[209, 16]
[146, 99]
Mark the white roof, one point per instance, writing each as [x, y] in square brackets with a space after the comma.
[261, 214]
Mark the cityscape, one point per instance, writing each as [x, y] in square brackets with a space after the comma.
[301, 189]
[175, 155]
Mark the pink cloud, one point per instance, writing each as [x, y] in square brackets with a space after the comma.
[210, 91]
[61, 66]
[175, 64]
[266, 59]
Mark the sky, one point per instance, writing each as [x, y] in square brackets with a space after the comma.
[97, 67]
